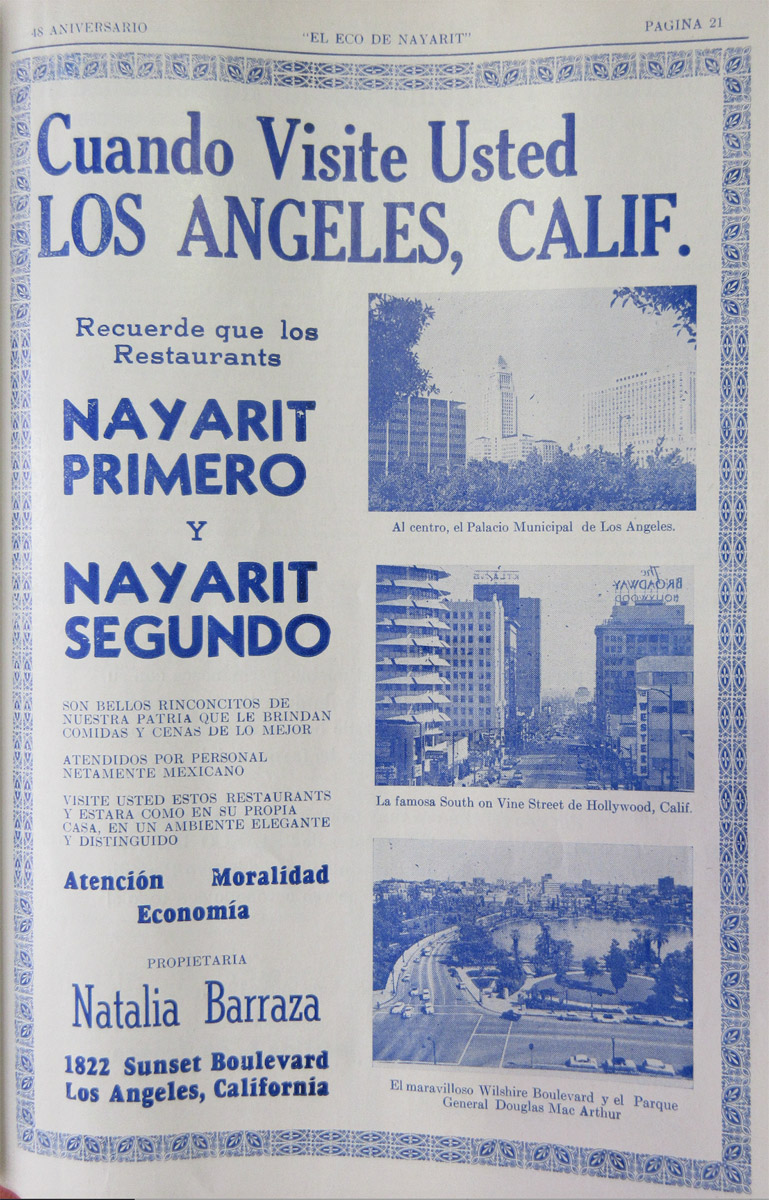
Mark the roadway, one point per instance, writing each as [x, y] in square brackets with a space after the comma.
[551, 769]
[462, 1033]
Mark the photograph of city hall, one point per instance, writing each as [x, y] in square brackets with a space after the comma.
[520, 401]
[551, 677]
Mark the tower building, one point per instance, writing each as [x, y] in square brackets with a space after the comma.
[412, 675]
[632, 632]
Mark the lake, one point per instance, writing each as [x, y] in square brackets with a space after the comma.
[588, 936]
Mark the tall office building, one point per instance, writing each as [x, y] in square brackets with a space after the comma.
[427, 431]
[524, 613]
[640, 409]
[480, 654]
[634, 631]
[665, 716]
[499, 404]
[528, 673]
[495, 434]
[412, 675]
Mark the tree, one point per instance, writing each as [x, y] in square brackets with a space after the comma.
[511, 974]
[594, 480]
[660, 939]
[639, 951]
[515, 935]
[543, 949]
[591, 967]
[616, 965]
[562, 951]
[680, 301]
[673, 990]
[395, 325]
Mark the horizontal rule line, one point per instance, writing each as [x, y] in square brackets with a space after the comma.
[352, 54]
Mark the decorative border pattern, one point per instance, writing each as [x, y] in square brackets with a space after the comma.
[733, 65]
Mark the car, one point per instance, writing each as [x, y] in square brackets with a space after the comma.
[582, 1062]
[429, 1009]
[593, 785]
[426, 994]
[606, 1016]
[414, 992]
[407, 979]
[668, 1021]
[407, 1012]
[620, 1066]
[569, 1016]
[398, 1008]
[655, 1066]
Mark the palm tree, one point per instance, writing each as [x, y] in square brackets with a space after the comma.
[659, 939]
[515, 935]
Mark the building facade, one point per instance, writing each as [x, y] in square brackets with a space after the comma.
[639, 410]
[495, 434]
[547, 449]
[665, 720]
[412, 675]
[524, 613]
[529, 659]
[428, 431]
[480, 658]
[634, 631]
[498, 410]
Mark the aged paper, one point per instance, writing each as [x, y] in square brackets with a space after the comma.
[383, 775]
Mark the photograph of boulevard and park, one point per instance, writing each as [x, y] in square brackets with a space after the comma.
[576, 677]
[524, 401]
[546, 956]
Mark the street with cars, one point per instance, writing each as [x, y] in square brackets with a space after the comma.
[431, 1016]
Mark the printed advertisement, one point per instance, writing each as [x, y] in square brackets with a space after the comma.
[379, 746]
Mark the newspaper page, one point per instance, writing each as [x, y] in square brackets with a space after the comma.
[382, 778]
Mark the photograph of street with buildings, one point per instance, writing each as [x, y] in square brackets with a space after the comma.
[567, 957]
[549, 677]
[554, 400]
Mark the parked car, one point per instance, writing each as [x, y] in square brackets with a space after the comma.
[620, 1066]
[582, 1062]
[398, 1008]
[429, 1009]
[655, 1066]
[407, 1012]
